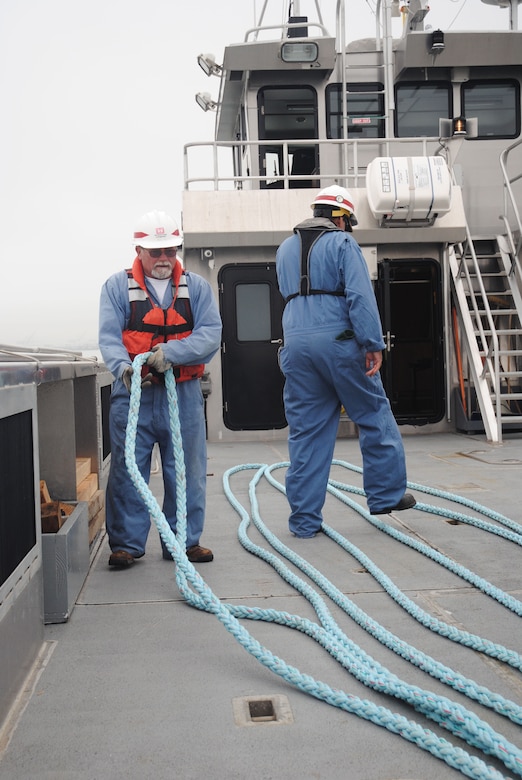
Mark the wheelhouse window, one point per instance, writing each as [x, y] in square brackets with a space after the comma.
[419, 106]
[287, 114]
[496, 104]
[365, 109]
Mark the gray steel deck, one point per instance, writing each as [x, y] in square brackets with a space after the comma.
[137, 684]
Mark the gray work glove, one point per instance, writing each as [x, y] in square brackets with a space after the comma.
[126, 378]
[157, 360]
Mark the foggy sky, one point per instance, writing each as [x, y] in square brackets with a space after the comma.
[97, 101]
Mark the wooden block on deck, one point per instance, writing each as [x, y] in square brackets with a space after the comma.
[96, 523]
[54, 514]
[96, 503]
[45, 496]
[83, 469]
[87, 488]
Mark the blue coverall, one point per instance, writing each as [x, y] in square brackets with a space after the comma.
[127, 518]
[323, 372]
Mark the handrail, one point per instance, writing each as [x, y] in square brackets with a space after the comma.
[489, 347]
[509, 200]
[349, 174]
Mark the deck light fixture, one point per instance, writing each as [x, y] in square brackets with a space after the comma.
[208, 64]
[299, 51]
[204, 101]
[459, 126]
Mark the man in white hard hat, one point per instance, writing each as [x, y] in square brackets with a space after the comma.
[331, 358]
[157, 307]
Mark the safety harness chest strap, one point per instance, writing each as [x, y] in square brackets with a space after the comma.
[307, 240]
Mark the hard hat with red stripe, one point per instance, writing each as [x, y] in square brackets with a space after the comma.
[340, 201]
[157, 229]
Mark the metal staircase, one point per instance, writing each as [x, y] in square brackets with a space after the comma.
[487, 294]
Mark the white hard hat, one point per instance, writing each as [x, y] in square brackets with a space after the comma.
[157, 229]
[339, 199]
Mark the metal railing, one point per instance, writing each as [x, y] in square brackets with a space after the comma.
[347, 167]
[511, 211]
[474, 305]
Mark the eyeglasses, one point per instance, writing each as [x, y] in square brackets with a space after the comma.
[159, 252]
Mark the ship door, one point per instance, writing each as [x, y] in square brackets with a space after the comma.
[251, 310]
[410, 303]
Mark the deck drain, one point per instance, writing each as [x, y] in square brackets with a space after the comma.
[254, 710]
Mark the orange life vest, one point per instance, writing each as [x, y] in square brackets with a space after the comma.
[149, 324]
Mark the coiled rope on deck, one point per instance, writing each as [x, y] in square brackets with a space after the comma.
[450, 715]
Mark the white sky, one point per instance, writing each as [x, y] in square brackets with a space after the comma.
[97, 100]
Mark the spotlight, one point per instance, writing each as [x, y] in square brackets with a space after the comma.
[205, 102]
[207, 63]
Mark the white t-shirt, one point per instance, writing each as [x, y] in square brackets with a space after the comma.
[159, 286]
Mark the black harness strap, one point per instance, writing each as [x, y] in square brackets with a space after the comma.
[307, 239]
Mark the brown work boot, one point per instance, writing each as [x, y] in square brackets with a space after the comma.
[197, 554]
[121, 559]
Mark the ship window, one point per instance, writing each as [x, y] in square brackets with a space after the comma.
[419, 106]
[253, 312]
[496, 104]
[365, 104]
[287, 114]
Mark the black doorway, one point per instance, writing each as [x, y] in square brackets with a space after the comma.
[410, 303]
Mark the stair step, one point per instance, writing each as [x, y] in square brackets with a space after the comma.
[496, 312]
[507, 352]
[509, 396]
[489, 274]
[511, 418]
[501, 332]
[501, 295]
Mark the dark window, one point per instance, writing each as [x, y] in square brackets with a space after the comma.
[496, 104]
[419, 106]
[287, 114]
[253, 312]
[365, 107]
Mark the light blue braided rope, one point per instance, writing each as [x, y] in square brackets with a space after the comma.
[203, 598]
[456, 499]
[499, 595]
[416, 657]
[465, 638]
[453, 717]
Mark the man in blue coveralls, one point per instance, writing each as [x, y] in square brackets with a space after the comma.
[331, 357]
[157, 307]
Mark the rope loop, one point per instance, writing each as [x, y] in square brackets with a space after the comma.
[454, 717]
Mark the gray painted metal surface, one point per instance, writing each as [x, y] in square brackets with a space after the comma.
[137, 684]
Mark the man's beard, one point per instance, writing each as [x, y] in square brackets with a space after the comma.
[161, 272]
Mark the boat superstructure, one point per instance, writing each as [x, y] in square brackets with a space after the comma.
[424, 128]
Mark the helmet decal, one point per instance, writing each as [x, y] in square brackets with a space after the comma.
[157, 229]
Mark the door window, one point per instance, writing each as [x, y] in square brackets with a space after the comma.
[365, 106]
